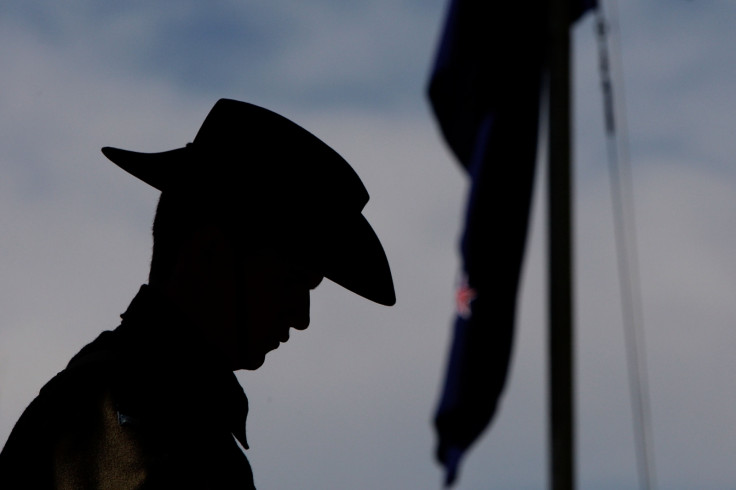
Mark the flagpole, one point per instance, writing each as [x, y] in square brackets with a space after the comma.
[561, 385]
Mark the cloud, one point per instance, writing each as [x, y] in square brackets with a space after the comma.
[361, 383]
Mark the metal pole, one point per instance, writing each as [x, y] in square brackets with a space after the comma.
[561, 392]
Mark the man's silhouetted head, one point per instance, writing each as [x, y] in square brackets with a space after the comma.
[253, 213]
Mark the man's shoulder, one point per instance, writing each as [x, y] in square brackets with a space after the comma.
[84, 376]
[59, 405]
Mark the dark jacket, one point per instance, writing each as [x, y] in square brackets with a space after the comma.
[144, 406]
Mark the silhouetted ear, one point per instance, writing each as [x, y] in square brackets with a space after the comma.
[213, 249]
[206, 257]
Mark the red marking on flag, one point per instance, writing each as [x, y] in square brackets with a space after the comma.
[463, 297]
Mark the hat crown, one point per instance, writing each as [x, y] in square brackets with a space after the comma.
[270, 157]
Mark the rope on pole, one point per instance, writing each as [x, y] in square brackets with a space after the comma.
[625, 237]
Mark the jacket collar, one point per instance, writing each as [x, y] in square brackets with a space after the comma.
[155, 329]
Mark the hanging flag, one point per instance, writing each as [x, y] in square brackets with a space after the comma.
[485, 93]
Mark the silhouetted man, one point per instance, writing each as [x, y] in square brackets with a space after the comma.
[252, 216]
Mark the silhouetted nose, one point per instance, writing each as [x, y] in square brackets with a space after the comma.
[301, 323]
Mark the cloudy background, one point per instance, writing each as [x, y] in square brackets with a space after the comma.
[348, 403]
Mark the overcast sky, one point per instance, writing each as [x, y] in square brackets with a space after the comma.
[348, 403]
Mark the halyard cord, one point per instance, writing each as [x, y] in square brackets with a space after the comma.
[624, 229]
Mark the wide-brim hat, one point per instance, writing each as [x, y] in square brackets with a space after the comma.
[292, 191]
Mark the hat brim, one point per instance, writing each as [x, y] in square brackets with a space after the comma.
[349, 253]
[155, 169]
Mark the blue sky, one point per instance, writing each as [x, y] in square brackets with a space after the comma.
[347, 403]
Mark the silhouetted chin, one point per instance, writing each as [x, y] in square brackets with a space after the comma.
[251, 362]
